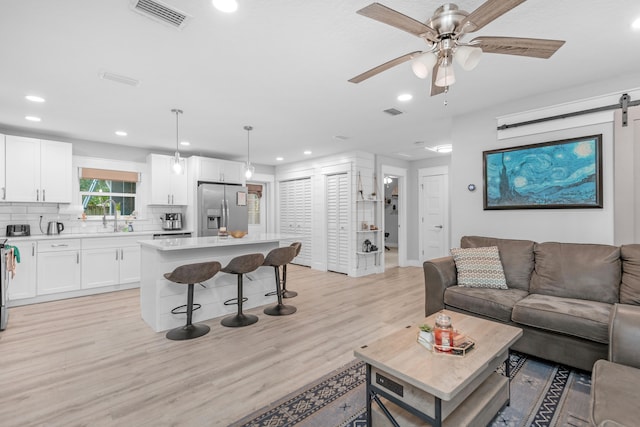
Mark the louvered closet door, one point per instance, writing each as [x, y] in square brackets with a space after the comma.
[304, 218]
[337, 223]
[296, 214]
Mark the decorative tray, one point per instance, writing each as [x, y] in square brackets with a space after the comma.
[462, 344]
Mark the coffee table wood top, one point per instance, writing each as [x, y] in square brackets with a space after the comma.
[442, 375]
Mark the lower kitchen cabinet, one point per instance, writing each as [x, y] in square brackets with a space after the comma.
[110, 261]
[23, 284]
[58, 266]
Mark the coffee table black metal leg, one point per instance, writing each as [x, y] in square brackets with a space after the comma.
[507, 370]
[437, 422]
[369, 396]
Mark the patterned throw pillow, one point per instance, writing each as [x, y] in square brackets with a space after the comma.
[479, 267]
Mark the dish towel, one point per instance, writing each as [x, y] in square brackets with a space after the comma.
[12, 256]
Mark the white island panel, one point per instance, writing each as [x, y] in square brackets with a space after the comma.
[158, 296]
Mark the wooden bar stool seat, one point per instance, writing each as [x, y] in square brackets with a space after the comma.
[277, 258]
[239, 266]
[189, 275]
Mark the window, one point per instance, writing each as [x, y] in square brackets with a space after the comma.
[253, 203]
[104, 192]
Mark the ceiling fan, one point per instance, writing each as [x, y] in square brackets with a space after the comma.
[443, 33]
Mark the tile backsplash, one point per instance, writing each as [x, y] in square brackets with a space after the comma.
[30, 213]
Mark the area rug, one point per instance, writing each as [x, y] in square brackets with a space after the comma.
[542, 395]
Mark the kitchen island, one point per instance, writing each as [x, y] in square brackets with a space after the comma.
[158, 296]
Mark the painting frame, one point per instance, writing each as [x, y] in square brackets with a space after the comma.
[562, 174]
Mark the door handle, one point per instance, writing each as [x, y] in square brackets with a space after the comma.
[437, 226]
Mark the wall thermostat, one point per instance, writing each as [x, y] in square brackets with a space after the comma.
[471, 187]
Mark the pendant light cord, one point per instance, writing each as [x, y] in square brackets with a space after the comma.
[248, 129]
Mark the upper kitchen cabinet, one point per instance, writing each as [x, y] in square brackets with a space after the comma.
[2, 170]
[216, 170]
[37, 170]
[167, 187]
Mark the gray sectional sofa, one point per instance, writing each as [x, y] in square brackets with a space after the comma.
[560, 294]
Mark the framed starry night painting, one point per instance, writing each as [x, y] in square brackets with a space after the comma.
[563, 174]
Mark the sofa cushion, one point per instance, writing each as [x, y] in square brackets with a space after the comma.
[516, 255]
[630, 286]
[614, 394]
[479, 267]
[492, 303]
[575, 270]
[577, 317]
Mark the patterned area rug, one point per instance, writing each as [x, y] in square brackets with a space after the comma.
[542, 395]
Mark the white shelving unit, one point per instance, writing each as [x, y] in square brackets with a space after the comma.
[366, 216]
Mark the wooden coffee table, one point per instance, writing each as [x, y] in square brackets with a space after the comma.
[414, 386]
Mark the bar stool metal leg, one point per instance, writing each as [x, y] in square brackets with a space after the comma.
[286, 293]
[188, 331]
[279, 309]
[239, 319]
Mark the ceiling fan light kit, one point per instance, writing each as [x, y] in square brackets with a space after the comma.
[443, 33]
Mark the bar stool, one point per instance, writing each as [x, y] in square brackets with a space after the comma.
[241, 265]
[189, 275]
[276, 258]
[285, 292]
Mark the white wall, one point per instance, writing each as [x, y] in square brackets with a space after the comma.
[476, 132]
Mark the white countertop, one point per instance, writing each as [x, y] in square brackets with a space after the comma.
[141, 234]
[214, 241]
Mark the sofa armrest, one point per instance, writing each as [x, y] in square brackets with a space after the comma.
[439, 274]
[624, 335]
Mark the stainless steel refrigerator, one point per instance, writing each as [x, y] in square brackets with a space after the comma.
[221, 205]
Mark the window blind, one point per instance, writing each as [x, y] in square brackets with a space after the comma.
[112, 175]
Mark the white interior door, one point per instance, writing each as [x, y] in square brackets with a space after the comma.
[337, 223]
[433, 215]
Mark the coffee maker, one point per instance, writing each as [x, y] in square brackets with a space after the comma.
[171, 221]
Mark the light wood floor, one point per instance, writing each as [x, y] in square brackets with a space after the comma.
[92, 361]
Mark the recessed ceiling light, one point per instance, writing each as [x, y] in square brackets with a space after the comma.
[121, 133]
[226, 6]
[185, 143]
[340, 137]
[636, 24]
[33, 118]
[279, 159]
[34, 98]
[307, 152]
[405, 97]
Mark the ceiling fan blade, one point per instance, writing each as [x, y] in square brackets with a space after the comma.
[536, 48]
[435, 90]
[487, 12]
[380, 68]
[396, 19]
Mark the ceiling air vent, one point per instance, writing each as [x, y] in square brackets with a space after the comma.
[161, 12]
[393, 111]
[119, 78]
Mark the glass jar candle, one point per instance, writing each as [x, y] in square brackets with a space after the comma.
[443, 333]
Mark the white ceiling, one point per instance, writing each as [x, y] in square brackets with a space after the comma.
[281, 66]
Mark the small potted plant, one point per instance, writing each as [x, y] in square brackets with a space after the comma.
[425, 336]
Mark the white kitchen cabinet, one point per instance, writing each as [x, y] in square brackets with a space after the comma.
[23, 284]
[58, 266]
[167, 187]
[37, 170]
[110, 261]
[216, 170]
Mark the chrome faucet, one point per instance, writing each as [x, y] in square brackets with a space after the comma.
[115, 214]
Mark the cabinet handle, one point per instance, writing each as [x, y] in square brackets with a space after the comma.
[168, 199]
[33, 249]
[37, 195]
[4, 193]
[59, 245]
[172, 199]
[44, 198]
[116, 254]
[78, 257]
[122, 254]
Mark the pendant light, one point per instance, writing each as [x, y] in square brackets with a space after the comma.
[248, 169]
[178, 162]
